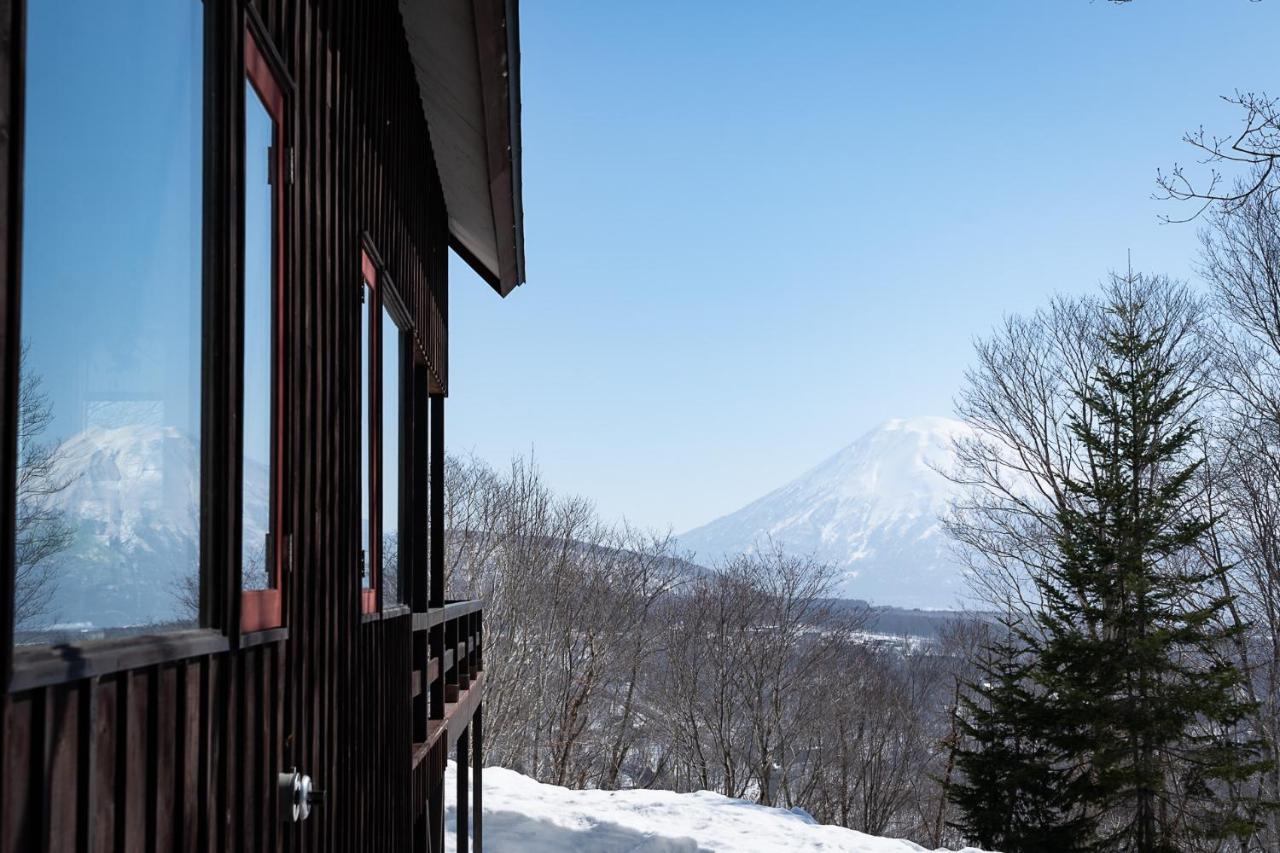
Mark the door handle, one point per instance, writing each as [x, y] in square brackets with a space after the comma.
[297, 796]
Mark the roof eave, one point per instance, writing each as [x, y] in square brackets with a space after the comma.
[497, 24]
[466, 56]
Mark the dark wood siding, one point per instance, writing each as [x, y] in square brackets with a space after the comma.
[181, 752]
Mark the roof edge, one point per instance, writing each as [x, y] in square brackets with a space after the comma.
[497, 25]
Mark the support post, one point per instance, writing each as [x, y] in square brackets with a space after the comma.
[435, 599]
[437, 548]
[477, 758]
[420, 528]
[420, 471]
[463, 762]
[422, 834]
[435, 793]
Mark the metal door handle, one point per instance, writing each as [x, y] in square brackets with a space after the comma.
[297, 796]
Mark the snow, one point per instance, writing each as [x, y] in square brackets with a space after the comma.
[871, 509]
[523, 815]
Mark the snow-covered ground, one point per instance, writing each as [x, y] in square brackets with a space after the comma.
[524, 816]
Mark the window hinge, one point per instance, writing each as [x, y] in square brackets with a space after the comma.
[288, 553]
[291, 165]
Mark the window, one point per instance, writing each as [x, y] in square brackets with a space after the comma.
[382, 346]
[261, 523]
[391, 443]
[107, 519]
[368, 445]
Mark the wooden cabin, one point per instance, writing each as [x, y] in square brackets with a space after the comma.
[224, 346]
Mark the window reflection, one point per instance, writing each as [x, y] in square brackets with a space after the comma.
[391, 443]
[259, 133]
[108, 497]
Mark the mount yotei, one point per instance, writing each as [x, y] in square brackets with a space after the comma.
[873, 509]
[128, 499]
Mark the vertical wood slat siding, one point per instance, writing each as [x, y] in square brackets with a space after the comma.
[184, 755]
[105, 755]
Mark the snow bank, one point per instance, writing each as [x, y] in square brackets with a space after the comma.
[529, 817]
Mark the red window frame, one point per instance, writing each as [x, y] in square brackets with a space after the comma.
[263, 609]
[372, 358]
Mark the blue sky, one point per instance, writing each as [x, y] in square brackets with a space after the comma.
[112, 230]
[756, 230]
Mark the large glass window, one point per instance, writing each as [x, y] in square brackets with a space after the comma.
[108, 483]
[259, 134]
[367, 364]
[262, 544]
[391, 449]
[381, 440]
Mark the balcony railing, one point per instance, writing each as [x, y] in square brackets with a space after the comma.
[448, 688]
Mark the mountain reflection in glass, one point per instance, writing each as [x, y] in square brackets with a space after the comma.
[108, 482]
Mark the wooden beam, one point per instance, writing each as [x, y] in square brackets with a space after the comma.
[40, 666]
[458, 714]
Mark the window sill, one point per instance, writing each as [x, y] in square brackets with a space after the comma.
[41, 666]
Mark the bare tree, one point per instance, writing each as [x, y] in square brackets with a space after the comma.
[649, 575]
[613, 662]
[185, 592]
[41, 528]
[1240, 257]
[1019, 398]
[1254, 148]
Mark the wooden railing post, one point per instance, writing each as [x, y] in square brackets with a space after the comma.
[450, 676]
[463, 647]
[420, 528]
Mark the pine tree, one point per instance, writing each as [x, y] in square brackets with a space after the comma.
[1129, 632]
[1020, 793]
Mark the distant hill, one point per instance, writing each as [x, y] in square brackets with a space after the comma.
[872, 509]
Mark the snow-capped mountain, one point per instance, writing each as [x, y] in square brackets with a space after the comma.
[129, 496]
[872, 509]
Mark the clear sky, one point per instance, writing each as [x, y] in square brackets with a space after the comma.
[755, 230]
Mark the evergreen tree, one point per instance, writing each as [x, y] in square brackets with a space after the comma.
[1019, 793]
[1129, 631]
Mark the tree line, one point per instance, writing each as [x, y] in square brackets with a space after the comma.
[615, 662]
